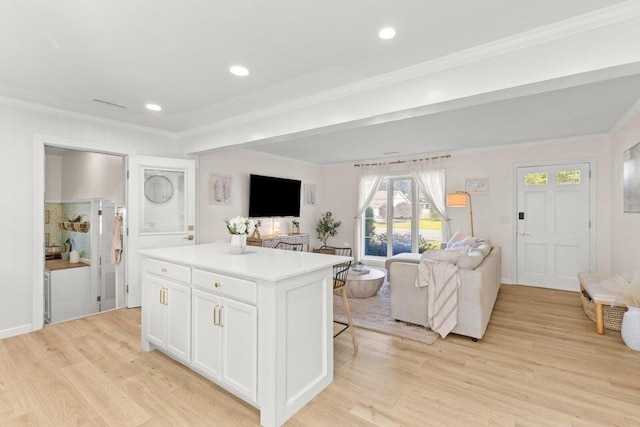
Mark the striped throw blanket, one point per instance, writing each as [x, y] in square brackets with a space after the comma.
[442, 282]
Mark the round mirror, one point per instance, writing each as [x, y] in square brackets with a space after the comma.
[158, 189]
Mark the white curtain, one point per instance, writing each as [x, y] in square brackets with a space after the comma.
[430, 176]
[370, 178]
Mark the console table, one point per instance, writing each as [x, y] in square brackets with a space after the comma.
[272, 241]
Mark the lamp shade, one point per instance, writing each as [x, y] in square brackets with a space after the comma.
[457, 200]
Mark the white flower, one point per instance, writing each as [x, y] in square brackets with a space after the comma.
[239, 225]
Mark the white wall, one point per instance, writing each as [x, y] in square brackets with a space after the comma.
[18, 126]
[240, 164]
[53, 178]
[625, 227]
[341, 186]
[88, 175]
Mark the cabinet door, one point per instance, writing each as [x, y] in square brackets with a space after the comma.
[155, 312]
[206, 334]
[178, 306]
[239, 326]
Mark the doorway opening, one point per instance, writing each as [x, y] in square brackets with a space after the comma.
[84, 201]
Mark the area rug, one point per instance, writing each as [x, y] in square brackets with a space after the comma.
[374, 313]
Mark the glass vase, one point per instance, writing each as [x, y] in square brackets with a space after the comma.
[238, 243]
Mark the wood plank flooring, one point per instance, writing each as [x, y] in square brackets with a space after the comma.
[540, 363]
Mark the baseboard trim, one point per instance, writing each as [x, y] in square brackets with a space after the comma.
[18, 330]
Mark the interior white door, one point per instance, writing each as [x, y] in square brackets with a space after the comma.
[553, 231]
[107, 267]
[161, 211]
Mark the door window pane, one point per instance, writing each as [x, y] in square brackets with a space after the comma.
[429, 225]
[375, 223]
[535, 178]
[402, 215]
[163, 201]
[567, 177]
[392, 212]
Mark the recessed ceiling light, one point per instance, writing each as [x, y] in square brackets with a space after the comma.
[387, 33]
[239, 70]
[153, 107]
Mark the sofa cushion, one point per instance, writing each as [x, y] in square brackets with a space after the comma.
[446, 255]
[460, 238]
[483, 246]
[471, 260]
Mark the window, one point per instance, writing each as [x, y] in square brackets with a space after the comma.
[567, 177]
[535, 178]
[400, 210]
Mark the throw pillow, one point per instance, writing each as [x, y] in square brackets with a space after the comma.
[459, 239]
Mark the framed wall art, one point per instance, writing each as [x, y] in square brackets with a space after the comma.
[631, 179]
[220, 189]
[476, 185]
[310, 194]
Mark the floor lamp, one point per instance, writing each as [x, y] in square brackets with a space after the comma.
[459, 200]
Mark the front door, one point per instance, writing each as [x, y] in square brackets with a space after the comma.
[162, 211]
[553, 225]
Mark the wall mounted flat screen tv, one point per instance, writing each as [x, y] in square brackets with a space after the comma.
[270, 196]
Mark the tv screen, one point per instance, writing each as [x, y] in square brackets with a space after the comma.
[270, 196]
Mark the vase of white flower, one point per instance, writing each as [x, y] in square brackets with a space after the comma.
[239, 227]
[238, 243]
[628, 286]
[630, 331]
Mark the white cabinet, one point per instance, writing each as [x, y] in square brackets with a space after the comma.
[225, 342]
[168, 316]
[260, 325]
[69, 295]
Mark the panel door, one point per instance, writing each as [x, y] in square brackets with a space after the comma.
[155, 312]
[239, 325]
[206, 353]
[107, 267]
[161, 200]
[553, 232]
[178, 306]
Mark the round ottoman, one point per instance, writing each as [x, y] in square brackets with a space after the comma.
[364, 285]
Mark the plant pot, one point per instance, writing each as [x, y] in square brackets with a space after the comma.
[630, 331]
[238, 243]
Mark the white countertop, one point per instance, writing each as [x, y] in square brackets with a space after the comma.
[257, 263]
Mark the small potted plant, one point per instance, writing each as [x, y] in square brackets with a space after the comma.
[327, 227]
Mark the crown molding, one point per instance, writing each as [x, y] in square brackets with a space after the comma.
[626, 118]
[60, 112]
[571, 26]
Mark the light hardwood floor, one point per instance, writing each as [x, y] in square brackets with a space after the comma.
[540, 363]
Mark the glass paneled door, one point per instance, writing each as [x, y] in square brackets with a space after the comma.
[161, 210]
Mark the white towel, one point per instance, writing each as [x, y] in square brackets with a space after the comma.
[442, 282]
[116, 239]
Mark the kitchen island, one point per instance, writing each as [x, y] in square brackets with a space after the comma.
[257, 324]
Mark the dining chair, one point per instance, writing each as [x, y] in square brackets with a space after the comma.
[289, 246]
[340, 272]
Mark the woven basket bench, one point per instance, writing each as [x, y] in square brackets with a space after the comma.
[597, 300]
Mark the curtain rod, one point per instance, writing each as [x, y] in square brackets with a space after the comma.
[402, 161]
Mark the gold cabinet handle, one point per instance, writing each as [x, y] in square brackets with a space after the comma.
[217, 284]
[189, 237]
[216, 315]
[161, 296]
